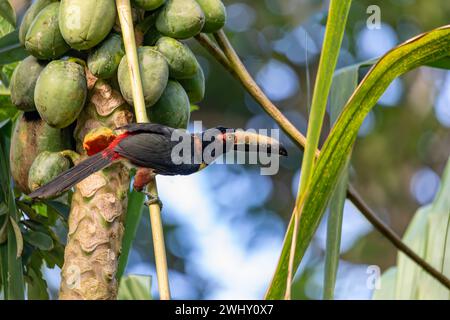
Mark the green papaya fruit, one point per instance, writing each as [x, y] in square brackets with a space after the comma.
[104, 60]
[154, 74]
[148, 4]
[85, 23]
[23, 82]
[43, 39]
[31, 136]
[181, 60]
[195, 86]
[60, 93]
[46, 167]
[29, 16]
[180, 19]
[173, 108]
[215, 15]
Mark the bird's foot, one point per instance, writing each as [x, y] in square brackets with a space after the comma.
[152, 199]
[142, 178]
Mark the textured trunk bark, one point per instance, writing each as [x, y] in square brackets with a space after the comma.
[98, 208]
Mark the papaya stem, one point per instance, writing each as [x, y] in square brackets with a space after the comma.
[126, 23]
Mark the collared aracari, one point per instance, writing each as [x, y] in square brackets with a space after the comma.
[149, 148]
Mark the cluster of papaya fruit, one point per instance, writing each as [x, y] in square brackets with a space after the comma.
[70, 41]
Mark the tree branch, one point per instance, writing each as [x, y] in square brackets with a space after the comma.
[390, 234]
[231, 61]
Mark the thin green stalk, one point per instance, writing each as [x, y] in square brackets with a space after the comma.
[126, 22]
[334, 230]
[337, 17]
[334, 34]
[344, 84]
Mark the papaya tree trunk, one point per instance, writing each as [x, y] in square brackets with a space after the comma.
[98, 209]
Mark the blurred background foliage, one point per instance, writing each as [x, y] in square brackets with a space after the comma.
[224, 226]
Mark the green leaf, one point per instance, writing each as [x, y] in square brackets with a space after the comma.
[29, 211]
[4, 231]
[387, 285]
[334, 33]
[4, 268]
[416, 52]
[438, 242]
[4, 91]
[6, 73]
[441, 64]
[408, 272]
[54, 257]
[18, 237]
[8, 70]
[134, 215]
[59, 208]
[334, 229]
[39, 240]
[428, 235]
[15, 269]
[3, 209]
[134, 287]
[11, 251]
[7, 109]
[7, 12]
[194, 107]
[345, 82]
[5, 26]
[36, 284]
[10, 48]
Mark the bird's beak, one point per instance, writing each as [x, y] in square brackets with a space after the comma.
[253, 142]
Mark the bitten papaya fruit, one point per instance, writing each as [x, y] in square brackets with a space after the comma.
[31, 136]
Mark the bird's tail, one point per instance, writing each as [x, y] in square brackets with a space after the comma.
[71, 177]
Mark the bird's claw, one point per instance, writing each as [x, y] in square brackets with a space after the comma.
[152, 199]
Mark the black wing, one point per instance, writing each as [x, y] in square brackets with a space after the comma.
[148, 128]
[153, 151]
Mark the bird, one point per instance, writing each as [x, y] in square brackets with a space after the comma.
[155, 149]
